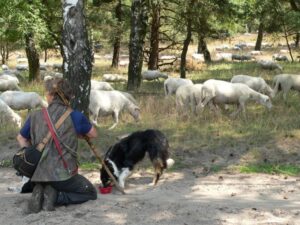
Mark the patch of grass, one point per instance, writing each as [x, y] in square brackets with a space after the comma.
[291, 170]
[89, 166]
[6, 163]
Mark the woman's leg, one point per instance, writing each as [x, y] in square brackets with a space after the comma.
[75, 190]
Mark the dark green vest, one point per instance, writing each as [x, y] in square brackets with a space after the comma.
[51, 167]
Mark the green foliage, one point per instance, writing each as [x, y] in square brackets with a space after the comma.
[291, 170]
[89, 166]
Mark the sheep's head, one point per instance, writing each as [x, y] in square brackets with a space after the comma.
[265, 100]
[135, 112]
[162, 75]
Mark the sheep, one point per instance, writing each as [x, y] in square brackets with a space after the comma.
[124, 62]
[187, 96]
[6, 85]
[8, 116]
[19, 100]
[113, 78]
[171, 84]
[106, 103]
[4, 67]
[256, 83]
[101, 85]
[269, 65]
[22, 67]
[153, 75]
[278, 57]
[9, 77]
[223, 56]
[198, 57]
[285, 82]
[223, 92]
[256, 53]
[241, 57]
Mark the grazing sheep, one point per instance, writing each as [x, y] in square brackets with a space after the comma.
[8, 116]
[9, 77]
[198, 57]
[278, 57]
[256, 53]
[101, 85]
[124, 62]
[19, 100]
[256, 83]
[223, 92]
[106, 103]
[153, 75]
[4, 67]
[187, 96]
[171, 84]
[285, 82]
[223, 56]
[113, 78]
[269, 65]
[241, 57]
[22, 67]
[6, 85]
[183, 97]
[53, 75]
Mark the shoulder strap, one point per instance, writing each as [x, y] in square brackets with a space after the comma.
[45, 140]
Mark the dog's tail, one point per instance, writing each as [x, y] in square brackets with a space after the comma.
[170, 162]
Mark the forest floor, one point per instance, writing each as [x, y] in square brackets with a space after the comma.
[182, 197]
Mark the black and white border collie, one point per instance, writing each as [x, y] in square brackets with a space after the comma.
[125, 154]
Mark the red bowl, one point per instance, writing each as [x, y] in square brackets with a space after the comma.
[105, 190]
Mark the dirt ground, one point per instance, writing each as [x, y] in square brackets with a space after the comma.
[181, 198]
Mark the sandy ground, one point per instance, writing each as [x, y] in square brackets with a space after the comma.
[181, 198]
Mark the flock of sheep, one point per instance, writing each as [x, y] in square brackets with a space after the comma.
[104, 100]
[240, 90]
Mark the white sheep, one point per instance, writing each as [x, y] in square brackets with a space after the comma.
[285, 82]
[218, 92]
[153, 75]
[223, 56]
[269, 65]
[101, 85]
[198, 57]
[279, 57]
[19, 100]
[188, 96]
[256, 52]
[21, 67]
[113, 78]
[256, 83]
[6, 85]
[9, 77]
[8, 116]
[4, 67]
[171, 84]
[105, 103]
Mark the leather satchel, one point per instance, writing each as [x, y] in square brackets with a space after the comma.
[26, 159]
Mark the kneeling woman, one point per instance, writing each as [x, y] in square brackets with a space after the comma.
[56, 179]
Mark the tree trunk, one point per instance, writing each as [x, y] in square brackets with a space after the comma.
[33, 58]
[117, 41]
[259, 37]
[297, 39]
[154, 38]
[46, 55]
[187, 40]
[202, 48]
[3, 54]
[77, 54]
[139, 20]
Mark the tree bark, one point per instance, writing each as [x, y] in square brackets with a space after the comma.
[33, 58]
[77, 54]
[297, 39]
[154, 38]
[139, 20]
[259, 37]
[187, 40]
[117, 41]
[202, 48]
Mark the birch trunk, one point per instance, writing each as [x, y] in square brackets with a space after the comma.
[139, 20]
[77, 54]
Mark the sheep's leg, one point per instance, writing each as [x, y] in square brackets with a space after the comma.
[116, 119]
[94, 117]
[241, 106]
